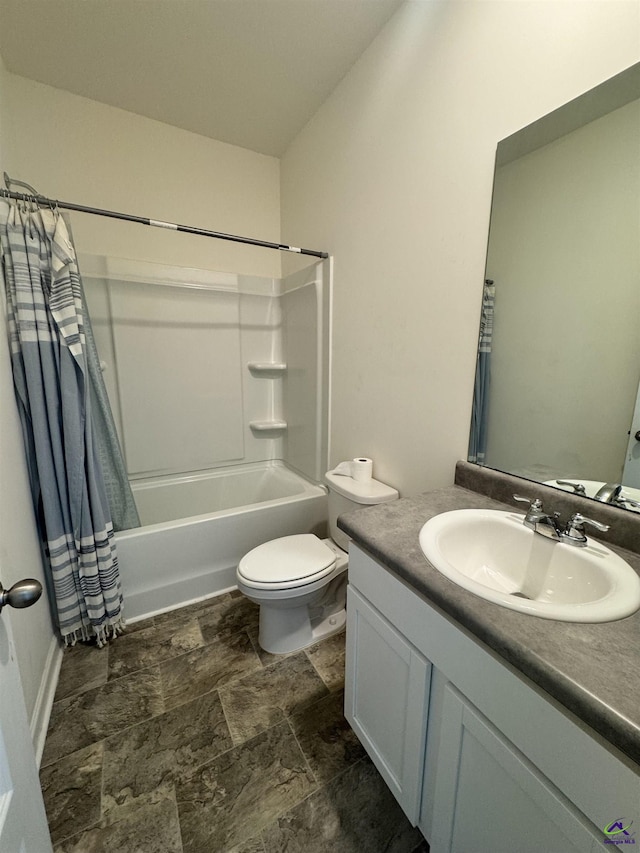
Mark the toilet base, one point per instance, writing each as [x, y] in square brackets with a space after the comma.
[285, 631]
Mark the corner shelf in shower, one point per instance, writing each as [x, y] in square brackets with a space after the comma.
[267, 366]
[268, 426]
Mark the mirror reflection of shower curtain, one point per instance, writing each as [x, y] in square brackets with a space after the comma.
[480, 410]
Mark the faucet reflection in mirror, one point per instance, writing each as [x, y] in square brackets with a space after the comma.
[565, 356]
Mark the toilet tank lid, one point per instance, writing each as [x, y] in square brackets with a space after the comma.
[372, 492]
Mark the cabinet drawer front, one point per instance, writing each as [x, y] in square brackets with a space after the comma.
[490, 797]
[386, 700]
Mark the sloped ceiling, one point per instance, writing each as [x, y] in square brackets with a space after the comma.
[247, 72]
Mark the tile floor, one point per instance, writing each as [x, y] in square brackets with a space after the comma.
[183, 736]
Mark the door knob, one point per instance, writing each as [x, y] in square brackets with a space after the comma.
[637, 436]
[24, 593]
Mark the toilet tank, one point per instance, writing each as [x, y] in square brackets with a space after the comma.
[346, 495]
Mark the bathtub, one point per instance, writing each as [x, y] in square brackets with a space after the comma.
[196, 529]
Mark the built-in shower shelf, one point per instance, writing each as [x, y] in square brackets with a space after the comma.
[267, 366]
[268, 426]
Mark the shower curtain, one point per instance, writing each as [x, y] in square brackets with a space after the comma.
[46, 326]
[480, 410]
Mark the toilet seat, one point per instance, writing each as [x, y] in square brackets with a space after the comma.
[287, 562]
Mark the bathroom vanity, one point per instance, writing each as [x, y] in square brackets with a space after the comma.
[495, 730]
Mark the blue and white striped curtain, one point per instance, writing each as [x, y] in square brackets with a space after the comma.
[47, 341]
[480, 411]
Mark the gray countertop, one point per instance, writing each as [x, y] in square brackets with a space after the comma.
[591, 669]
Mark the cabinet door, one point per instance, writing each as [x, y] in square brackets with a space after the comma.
[490, 799]
[386, 700]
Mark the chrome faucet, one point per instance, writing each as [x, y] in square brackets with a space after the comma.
[551, 527]
[609, 493]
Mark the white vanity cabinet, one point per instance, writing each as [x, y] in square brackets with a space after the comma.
[387, 686]
[478, 757]
[489, 797]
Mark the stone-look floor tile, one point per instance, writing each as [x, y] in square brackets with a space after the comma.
[233, 614]
[91, 716]
[134, 627]
[83, 668]
[143, 762]
[328, 659]
[191, 611]
[229, 800]
[152, 645]
[151, 829]
[71, 791]
[253, 845]
[197, 672]
[327, 740]
[152, 747]
[355, 813]
[262, 699]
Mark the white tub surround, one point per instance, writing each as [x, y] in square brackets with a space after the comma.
[208, 370]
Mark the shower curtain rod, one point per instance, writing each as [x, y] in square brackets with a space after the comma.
[42, 201]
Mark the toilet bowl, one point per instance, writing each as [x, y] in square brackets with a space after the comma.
[300, 581]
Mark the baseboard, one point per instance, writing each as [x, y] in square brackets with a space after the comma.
[44, 699]
[146, 602]
[181, 604]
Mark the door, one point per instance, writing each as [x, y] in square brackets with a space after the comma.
[23, 822]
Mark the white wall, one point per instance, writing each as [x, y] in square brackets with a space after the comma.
[19, 550]
[78, 150]
[564, 254]
[393, 177]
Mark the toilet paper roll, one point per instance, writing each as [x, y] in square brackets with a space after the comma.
[361, 469]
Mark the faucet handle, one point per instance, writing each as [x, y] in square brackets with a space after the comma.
[577, 519]
[574, 531]
[578, 488]
[624, 502]
[534, 503]
[535, 512]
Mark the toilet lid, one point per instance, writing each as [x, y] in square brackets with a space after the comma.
[302, 558]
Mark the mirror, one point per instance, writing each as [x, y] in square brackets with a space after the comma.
[563, 363]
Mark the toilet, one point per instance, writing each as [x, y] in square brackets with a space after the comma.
[300, 581]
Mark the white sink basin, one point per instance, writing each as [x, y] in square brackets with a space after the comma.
[493, 555]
